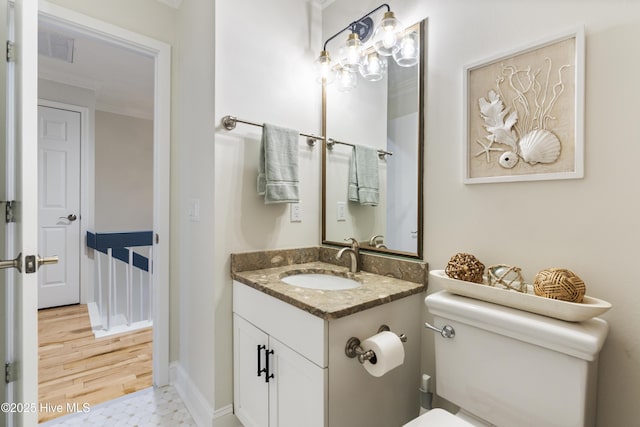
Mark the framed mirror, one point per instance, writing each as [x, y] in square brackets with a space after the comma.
[388, 115]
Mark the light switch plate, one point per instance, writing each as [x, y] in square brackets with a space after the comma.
[295, 212]
[341, 212]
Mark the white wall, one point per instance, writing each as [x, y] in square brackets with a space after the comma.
[123, 173]
[264, 57]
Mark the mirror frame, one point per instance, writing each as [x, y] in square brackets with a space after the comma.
[422, 26]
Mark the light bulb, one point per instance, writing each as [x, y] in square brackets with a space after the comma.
[324, 68]
[373, 67]
[408, 54]
[346, 80]
[386, 39]
[350, 53]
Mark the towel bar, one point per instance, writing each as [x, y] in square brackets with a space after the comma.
[229, 123]
[381, 153]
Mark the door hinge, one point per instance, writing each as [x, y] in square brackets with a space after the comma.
[11, 51]
[157, 238]
[9, 211]
[10, 372]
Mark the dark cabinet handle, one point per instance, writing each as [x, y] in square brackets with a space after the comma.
[260, 370]
[268, 375]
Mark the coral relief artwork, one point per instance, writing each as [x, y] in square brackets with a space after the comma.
[524, 114]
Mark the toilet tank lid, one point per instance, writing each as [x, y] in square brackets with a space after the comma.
[579, 339]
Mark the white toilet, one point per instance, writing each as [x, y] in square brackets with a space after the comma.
[508, 367]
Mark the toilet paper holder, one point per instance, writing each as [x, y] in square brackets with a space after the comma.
[352, 348]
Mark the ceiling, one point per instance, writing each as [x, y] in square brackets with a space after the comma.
[122, 79]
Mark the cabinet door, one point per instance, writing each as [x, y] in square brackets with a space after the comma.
[297, 390]
[251, 392]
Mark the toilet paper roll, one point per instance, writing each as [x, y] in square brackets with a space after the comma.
[389, 353]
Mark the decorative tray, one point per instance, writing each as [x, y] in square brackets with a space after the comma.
[563, 310]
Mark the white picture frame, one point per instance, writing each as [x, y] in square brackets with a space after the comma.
[524, 113]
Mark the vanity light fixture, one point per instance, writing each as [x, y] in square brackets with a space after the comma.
[345, 79]
[350, 53]
[324, 68]
[368, 60]
[386, 39]
[373, 66]
[408, 54]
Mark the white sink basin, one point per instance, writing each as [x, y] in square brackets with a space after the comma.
[325, 282]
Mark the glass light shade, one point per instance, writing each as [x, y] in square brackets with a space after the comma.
[386, 39]
[346, 80]
[408, 54]
[373, 67]
[350, 53]
[324, 68]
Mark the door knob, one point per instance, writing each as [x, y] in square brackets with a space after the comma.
[12, 263]
[47, 260]
[70, 217]
[32, 262]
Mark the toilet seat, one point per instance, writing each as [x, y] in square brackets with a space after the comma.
[437, 418]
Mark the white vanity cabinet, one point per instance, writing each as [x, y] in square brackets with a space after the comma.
[314, 383]
[280, 374]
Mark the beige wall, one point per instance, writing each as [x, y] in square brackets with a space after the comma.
[148, 17]
[591, 225]
[192, 163]
[123, 173]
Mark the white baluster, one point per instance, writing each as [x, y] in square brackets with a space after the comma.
[130, 288]
[99, 271]
[110, 287]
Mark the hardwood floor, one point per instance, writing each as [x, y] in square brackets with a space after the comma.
[75, 367]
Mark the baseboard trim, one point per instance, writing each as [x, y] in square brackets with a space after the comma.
[200, 410]
[225, 410]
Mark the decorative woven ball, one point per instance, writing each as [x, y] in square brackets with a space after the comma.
[465, 267]
[559, 283]
[507, 277]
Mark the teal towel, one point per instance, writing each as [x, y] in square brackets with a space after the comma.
[278, 165]
[363, 176]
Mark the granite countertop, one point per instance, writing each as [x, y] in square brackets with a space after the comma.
[375, 289]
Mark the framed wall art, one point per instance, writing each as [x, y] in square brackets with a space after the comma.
[524, 113]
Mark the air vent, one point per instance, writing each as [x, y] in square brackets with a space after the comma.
[55, 46]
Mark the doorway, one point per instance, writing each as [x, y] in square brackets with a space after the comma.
[64, 30]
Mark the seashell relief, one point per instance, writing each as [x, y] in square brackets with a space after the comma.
[539, 146]
[522, 130]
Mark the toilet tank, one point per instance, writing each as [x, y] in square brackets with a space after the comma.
[514, 368]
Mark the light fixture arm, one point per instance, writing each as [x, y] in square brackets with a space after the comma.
[352, 25]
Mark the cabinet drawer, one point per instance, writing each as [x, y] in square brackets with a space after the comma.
[301, 331]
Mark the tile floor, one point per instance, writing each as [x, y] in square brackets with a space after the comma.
[146, 408]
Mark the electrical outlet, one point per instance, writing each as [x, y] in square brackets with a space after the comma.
[295, 212]
[341, 213]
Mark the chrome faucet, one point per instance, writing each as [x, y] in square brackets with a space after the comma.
[354, 252]
[376, 240]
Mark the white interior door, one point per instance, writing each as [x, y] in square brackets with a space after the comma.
[59, 205]
[5, 254]
[20, 324]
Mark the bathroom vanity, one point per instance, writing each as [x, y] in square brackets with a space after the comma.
[290, 366]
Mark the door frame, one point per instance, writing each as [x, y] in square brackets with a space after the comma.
[87, 181]
[161, 53]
